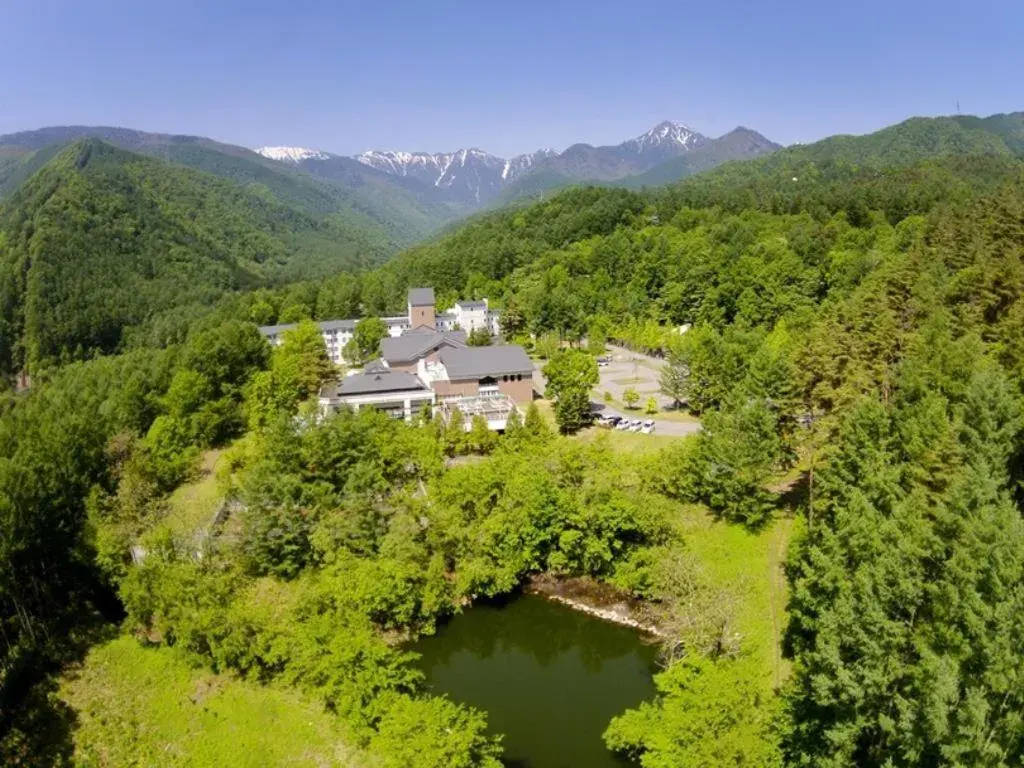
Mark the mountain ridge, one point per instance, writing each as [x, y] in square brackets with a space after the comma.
[475, 178]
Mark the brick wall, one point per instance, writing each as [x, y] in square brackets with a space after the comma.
[464, 388]
[420, 316]
[521, 392]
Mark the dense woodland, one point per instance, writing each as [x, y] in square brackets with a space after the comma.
[855, 352]
[100, 240]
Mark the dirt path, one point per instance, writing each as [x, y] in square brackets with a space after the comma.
[778, 547]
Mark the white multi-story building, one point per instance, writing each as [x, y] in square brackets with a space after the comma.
[468, 316]
[465, 315]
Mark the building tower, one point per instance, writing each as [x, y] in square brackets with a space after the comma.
[421, 308]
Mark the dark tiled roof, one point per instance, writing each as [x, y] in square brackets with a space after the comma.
[377, 366]
[473, 304]
[373, 383]
[478, 362]
[421, 297]
[414, 344]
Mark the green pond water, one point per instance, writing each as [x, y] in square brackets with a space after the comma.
[550, 678]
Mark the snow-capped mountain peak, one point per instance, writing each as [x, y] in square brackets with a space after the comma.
[471, 167]
[669, 133]
[520, 164]
[292, 154]
[476, 177]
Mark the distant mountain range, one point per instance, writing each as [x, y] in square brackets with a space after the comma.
[475, 178]
[103, 242]
[388, 200]
[388, 212]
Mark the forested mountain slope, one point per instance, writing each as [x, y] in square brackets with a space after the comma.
[725, 163]
[483, 256]
[841, 160]
[362, 198]
[101, 239]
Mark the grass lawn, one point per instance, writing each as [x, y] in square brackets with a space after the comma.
[630, 443]
[749, 564]
[682, 417]
[547, 410]
[139, 706]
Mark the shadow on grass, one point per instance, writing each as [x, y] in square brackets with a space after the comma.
[38, 730]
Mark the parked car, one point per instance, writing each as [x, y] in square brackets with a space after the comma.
[636, 425]
[623, 425]
[648, 426]
[602, 362]
[612, 420]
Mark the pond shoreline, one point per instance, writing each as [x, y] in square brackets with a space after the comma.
[599, 600]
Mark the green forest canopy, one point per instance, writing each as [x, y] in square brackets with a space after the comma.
[862, 331]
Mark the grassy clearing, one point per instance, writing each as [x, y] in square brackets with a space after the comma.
[192, 506]
[139, 706]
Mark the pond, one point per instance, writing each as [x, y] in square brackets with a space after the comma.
[550, 678]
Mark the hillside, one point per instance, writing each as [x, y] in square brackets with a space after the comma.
[362, 199]
[100, 239]
[777, 182]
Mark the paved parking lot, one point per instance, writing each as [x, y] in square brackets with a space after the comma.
[627, 369]
[641, 372]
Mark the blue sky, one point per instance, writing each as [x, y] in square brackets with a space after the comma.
[507, 77]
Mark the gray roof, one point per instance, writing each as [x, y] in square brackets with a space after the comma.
[326, 325]
[414, 344]
[478, 362]
[273, 330]
[373, 383]
[376, 366]
[337, 325]
[421, 297]
[473, 304]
